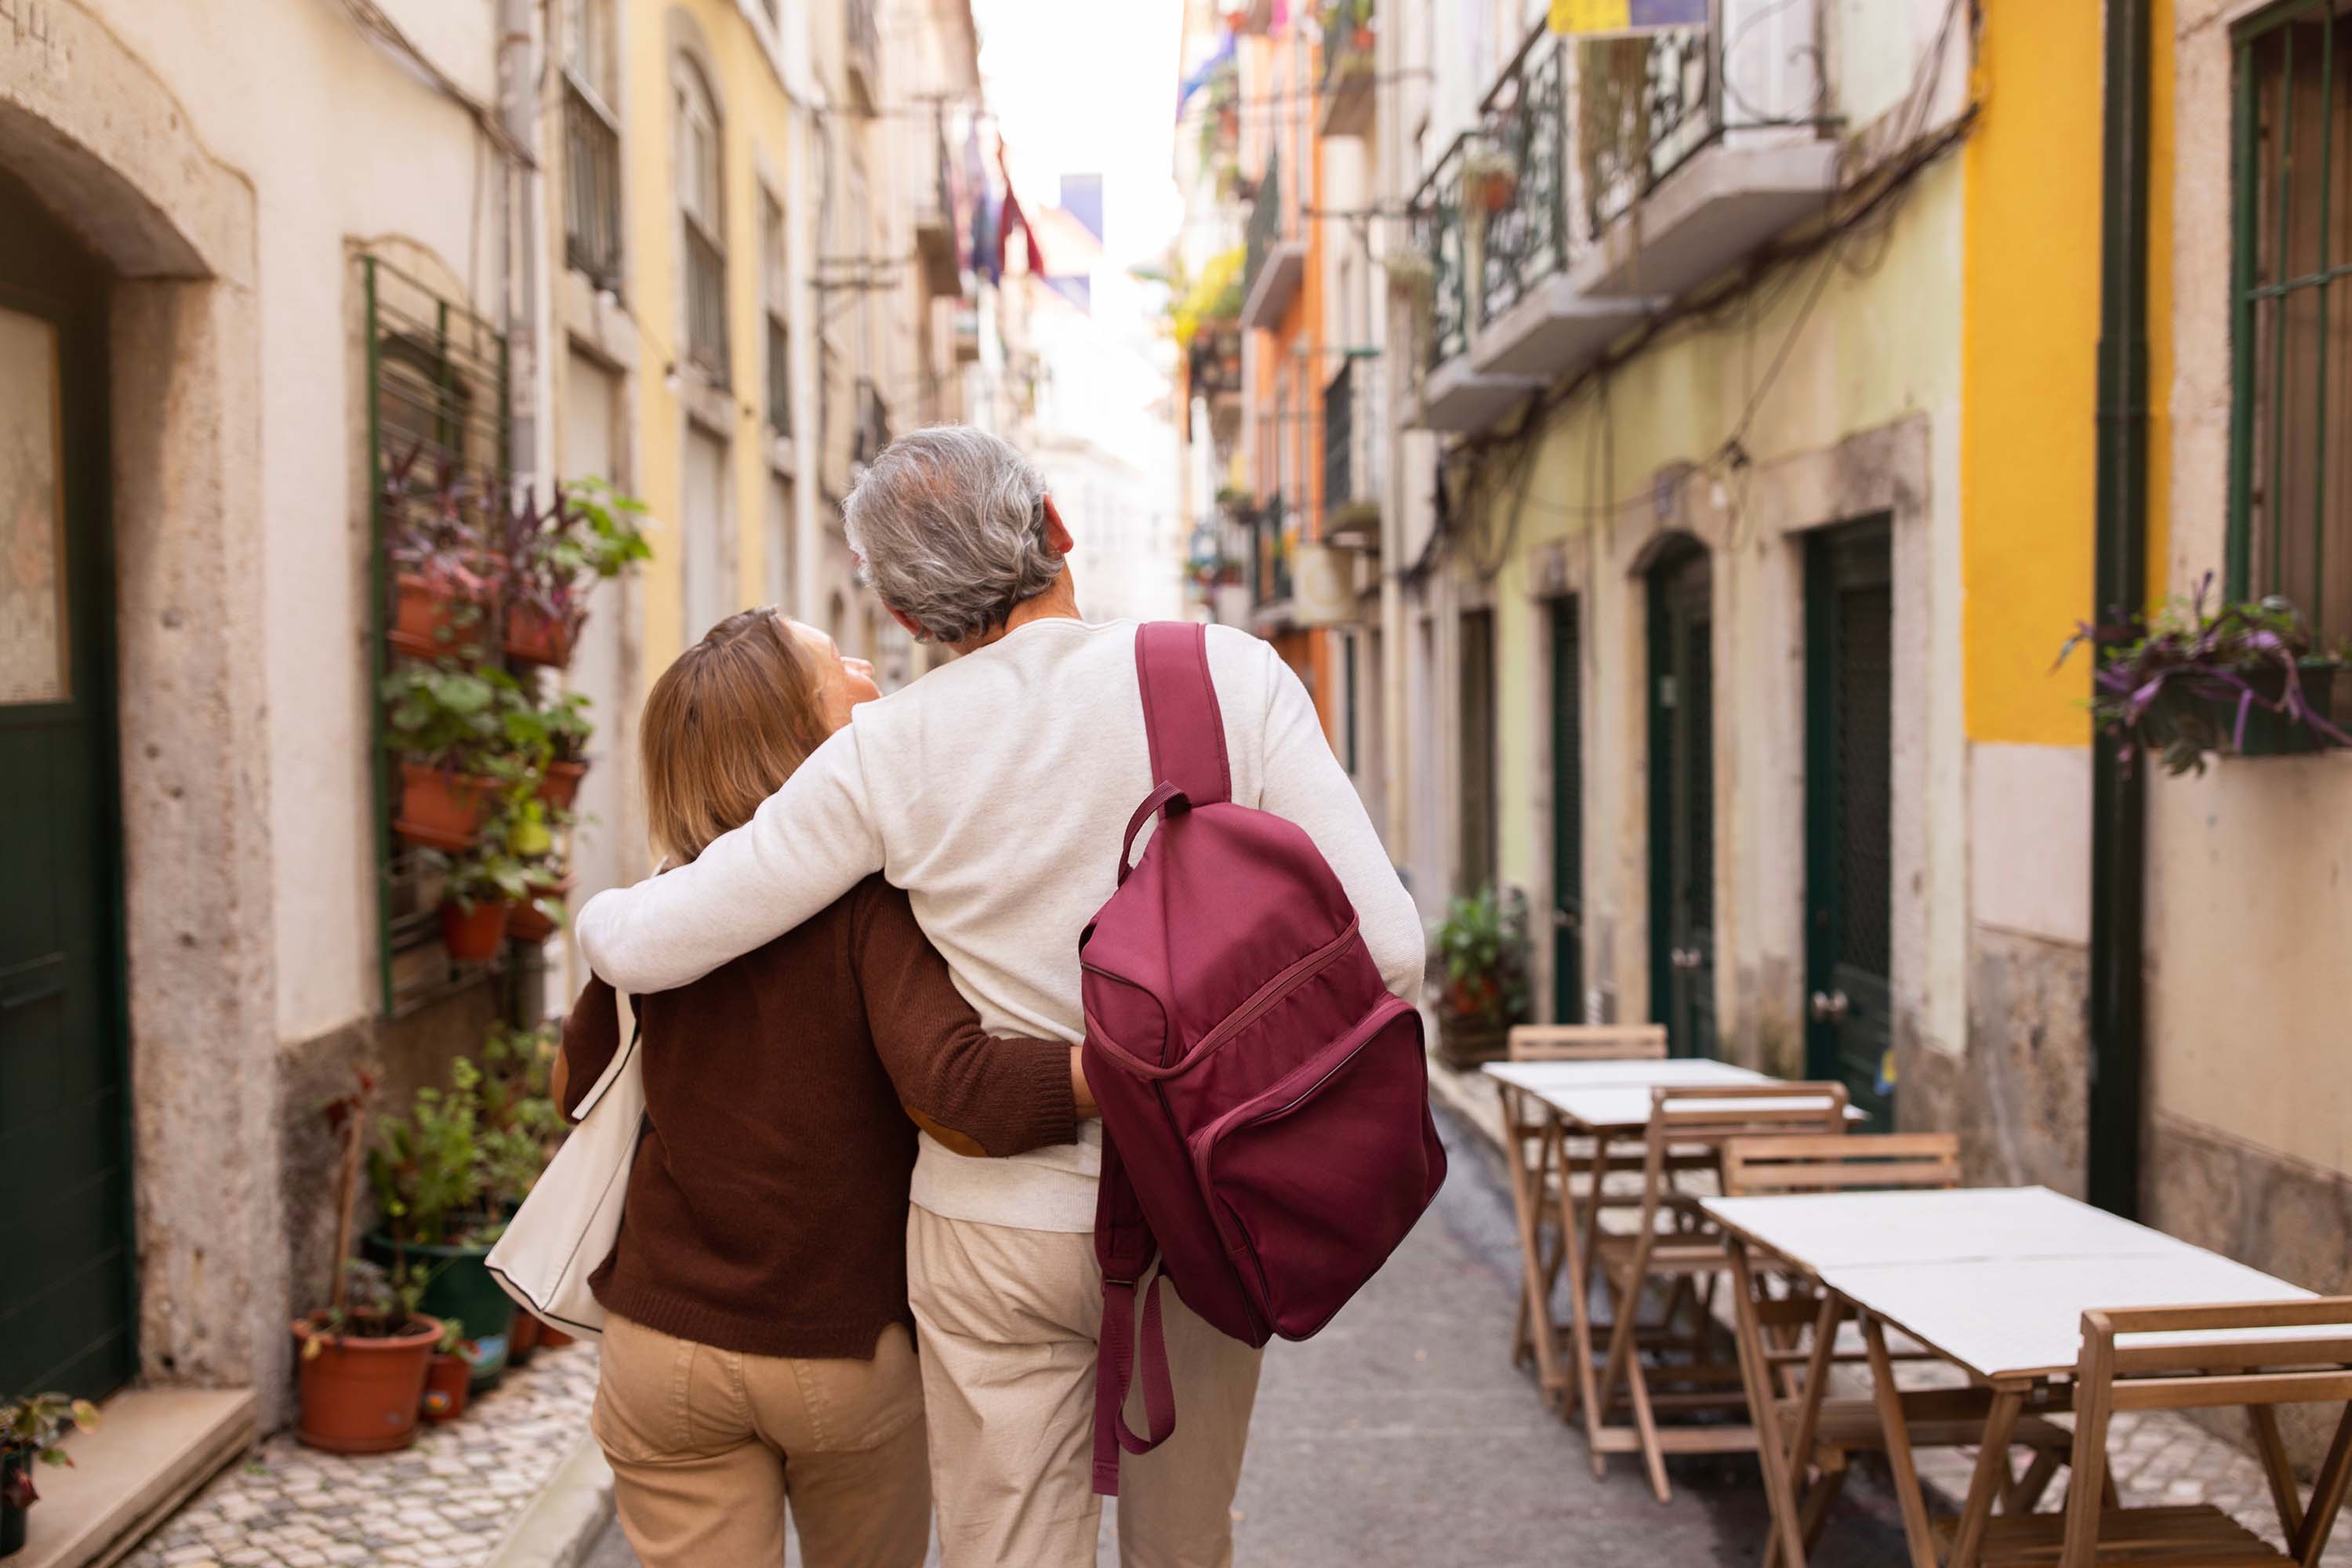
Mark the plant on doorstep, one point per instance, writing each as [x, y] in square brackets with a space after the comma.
[448, 1375]
[1481, 947]
[32, 1432]
[2243, 679]
[363, 1355]
[433, 1185]
[589, 533]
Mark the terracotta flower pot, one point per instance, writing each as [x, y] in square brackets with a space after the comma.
[448, 1380]
[560, 785]
[362, 1396]
[525, 923]
[429, 621]
[475, 935]
[534, 637]
[522, 1340]
[441, 810]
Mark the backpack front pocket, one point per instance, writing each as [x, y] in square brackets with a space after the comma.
[1304, 1181]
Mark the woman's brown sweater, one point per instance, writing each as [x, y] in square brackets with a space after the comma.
[766, 1207]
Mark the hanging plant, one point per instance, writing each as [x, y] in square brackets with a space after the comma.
[1489, 179]
[556, 557]
[445, 575]
[2186, 682]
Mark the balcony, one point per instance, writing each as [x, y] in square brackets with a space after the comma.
[592, 187]
[706, 304]
[1606, 179]
[1354, 420]
[1270, 561]
[1275, 248]
[1350, 68]
[936, 245]
[862, 45]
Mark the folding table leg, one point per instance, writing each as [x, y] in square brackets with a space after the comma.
[1580, 1299]
[1992, 1477]
[1535, 1312]
[1763, 1413]
[1898, 1446]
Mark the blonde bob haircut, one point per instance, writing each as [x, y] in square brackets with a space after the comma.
[724, 727]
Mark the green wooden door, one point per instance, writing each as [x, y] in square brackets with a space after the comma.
[1849, 746]
[1682, 800]
[1567, 812]
[66, 1318]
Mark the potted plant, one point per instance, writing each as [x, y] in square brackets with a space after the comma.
[1410, 273]
[482, 886]
[588, 533]
[32, 1432]
[429, 1174]
[448, 1376]
[449, 724]
[363, 1357]
[1481, 948]
[555, 733]
[1489, 179]
[2242, 678]
[544, 911]
[445, 576]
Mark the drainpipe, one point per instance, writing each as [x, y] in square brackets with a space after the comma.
[523, 215]
[2119, 796]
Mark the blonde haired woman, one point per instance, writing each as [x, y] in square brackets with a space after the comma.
[759, 1352]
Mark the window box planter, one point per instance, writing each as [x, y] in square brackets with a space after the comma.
[535, 637]
[473, 935]
[458, 1290]
[2270, 732]
[558, 784]
[441, 809]
[361, 1395]
[432, 620]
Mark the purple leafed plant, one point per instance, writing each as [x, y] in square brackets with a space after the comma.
[2186, 681]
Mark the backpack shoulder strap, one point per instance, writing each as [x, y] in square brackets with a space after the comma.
[1125, 1247]
[1181, 716]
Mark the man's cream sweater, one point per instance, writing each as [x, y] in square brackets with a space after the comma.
[995, 791]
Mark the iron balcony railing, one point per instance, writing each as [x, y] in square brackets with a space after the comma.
[779, 375]
[592, 187]
[1264, 233]
[1352, 423]
[706, 303]
[1441, 235]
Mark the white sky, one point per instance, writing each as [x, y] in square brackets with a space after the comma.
[1086, 87]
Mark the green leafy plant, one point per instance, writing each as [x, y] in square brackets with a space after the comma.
[1482, 946]
[517, 848]
[555, 730]
[32, 1431]
[2187, 681]
[555, 554]
[448, 716]
[520, 1122]
[375, 1303]
[426, 1167]
[435, 528]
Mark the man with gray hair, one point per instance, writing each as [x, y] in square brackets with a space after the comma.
[995, 791]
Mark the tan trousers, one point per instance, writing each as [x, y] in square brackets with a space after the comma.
[708, 1446]
[1008, 1321]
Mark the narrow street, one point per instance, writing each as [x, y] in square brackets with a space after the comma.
[1402, 1434]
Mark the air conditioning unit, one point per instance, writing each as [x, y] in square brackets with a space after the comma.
[1323, 585]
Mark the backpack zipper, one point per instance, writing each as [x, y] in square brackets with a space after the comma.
[1297, 973]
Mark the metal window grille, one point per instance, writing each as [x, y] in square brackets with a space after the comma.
[437, 378]
[591, 186]
[2291, 507]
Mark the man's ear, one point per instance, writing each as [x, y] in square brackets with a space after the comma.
[1056, 534]
[906, 621]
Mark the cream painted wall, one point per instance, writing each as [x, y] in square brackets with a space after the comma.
[347, 147]
[2250, 877]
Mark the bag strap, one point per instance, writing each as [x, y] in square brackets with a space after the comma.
[1125, 1247]
[1181, 716]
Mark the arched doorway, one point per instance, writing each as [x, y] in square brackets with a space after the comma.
[66, 1294]
[1682, 796]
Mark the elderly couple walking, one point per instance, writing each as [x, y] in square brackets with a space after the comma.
[871, 925]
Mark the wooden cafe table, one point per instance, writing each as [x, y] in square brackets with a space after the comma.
[1994, 1280]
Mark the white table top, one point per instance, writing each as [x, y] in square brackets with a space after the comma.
[1539, 1077]
[1997, 1279]
[1626, 1108]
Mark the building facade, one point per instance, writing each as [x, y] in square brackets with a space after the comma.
[710, 251]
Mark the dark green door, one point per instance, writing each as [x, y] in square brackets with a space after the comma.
[1849, 743]
[1682, 799]
[1567, 812]
[66, 1316]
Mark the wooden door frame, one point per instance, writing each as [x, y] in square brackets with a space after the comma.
[1665, 556]
[1567, 1001]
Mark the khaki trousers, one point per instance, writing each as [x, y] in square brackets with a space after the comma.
[1008, 1322]
[708, 1446]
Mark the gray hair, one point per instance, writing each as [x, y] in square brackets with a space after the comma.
[951, 524]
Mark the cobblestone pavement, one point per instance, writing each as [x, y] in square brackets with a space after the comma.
[442, 1502]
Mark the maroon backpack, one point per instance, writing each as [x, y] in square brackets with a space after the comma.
[1265, 1100]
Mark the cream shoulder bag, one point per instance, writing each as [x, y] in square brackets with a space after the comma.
[565, 1229]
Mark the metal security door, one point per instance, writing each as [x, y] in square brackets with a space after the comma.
[66, 1319]
[1849, 732]
[1682, 800]
[1567, 812]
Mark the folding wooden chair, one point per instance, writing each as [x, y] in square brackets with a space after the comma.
[1827, 1434]
[1685, 1253]
[1528, 1128]
[2197, 1357]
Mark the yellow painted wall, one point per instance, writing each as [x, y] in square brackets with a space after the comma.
[758, 133]
[2029, 368]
